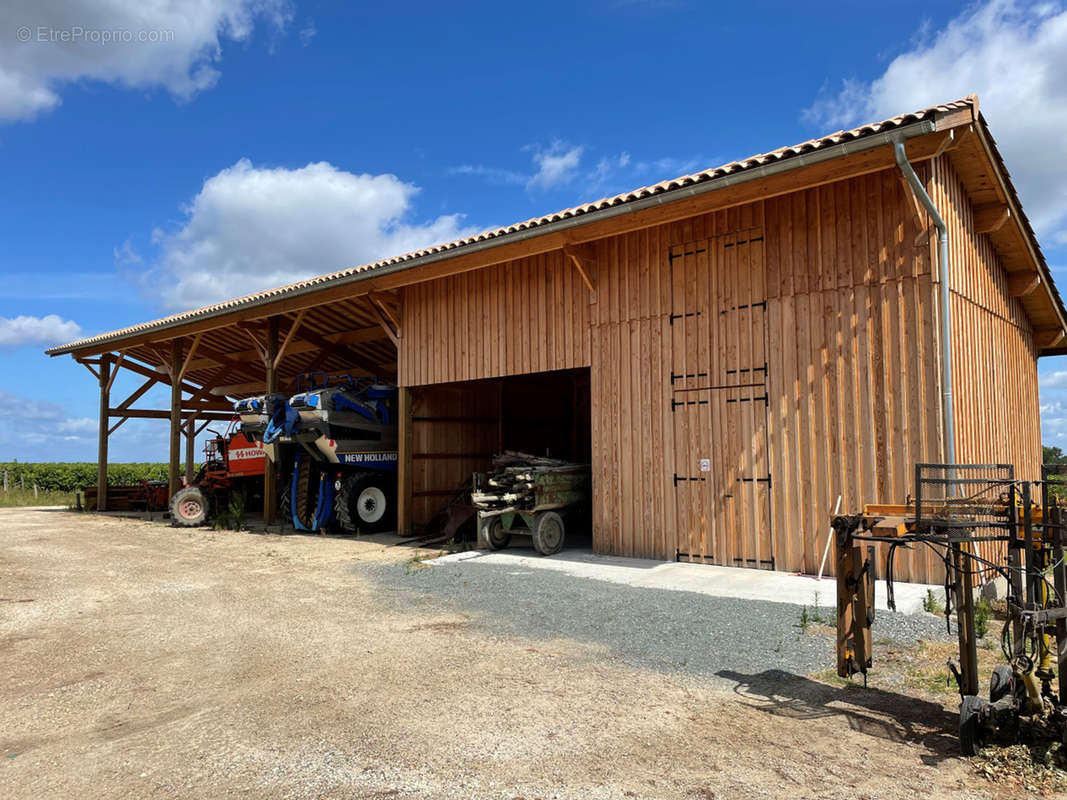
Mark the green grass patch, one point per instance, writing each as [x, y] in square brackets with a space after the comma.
[15, 498]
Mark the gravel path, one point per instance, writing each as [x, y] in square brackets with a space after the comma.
[697, 638]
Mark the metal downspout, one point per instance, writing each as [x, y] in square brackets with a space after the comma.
[946, 318]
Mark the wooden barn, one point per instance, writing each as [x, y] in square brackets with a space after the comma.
[731, 350]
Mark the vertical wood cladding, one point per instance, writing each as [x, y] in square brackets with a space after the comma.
[852, 378]
[522, 316]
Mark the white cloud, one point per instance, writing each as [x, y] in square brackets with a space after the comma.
[1014, 56]
[23, 331]
[252, 228]
[607, 167]
[1053, 422]
[129, 43]
[307, 33]
[1054, 380]
[556, 165]
[25, 421]
[492, 174]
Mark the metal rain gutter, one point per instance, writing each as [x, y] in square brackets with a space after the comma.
[788, 164]
[946, 312]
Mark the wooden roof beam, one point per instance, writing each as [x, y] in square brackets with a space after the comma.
[344, 352]
[161, 374]
[238, 389]
[289, 336]
[189, 356]
[583, 256]
[152, 413]
[991, 217]
[137, 394]
[1045, 338]
[378, 312]
[1021, 284]
[239, 359]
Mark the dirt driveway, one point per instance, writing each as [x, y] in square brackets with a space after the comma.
[143, 661]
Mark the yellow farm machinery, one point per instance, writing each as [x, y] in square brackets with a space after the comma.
[983, 524]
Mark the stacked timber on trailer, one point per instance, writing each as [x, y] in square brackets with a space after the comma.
[513, 483]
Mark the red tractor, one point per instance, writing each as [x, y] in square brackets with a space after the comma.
[233, 470]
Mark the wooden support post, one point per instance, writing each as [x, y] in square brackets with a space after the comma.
[270, 477]
[964, 592]
[863, 606]
[190, 449]
[846, 591]
[105, 421]
[173, 479]
[404, 462]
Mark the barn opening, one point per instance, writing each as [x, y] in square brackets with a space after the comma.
[456, 428]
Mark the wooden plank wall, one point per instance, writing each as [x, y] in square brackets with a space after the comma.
[855, 380]
[995, 383]
[529, 315]
[993, 351]
[853, 373]
[454, 433]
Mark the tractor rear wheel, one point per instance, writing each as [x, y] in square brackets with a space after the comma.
[188, 507]
[971, 724]
[1000, 682]
[285, 504]
[367, 504]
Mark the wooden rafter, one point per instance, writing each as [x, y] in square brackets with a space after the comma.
[380, 315]
[115, 371]
[1048, 337]
[139, 393]
[584, 259]
[189, 356]
[89, 366]
[1023, 283]
[234, 362]
[117, 425]
[164, 363]
[155, 413]
[991, 217]
[239, 359]
[161, 374]
[289, 336]
[349, 355]
[915, 209]
[260, 348]
[947, 143]
[390, 306]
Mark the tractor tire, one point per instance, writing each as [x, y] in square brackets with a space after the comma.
[300, 508]
[189, 507]
[285, 504]
[367, 503]
[491, 534]
[548, 533]
[971, 725]
[1000, 682]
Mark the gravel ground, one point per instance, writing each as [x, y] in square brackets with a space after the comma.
[696, 638]
[144, 661]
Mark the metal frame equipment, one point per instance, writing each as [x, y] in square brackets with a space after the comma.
[982, 523]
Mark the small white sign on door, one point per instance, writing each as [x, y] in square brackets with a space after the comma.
[705, 465]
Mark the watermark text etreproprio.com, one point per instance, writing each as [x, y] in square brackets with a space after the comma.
[77, 33]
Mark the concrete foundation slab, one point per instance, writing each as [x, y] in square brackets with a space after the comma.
[779, 587]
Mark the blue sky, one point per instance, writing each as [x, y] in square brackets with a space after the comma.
[259, 141]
